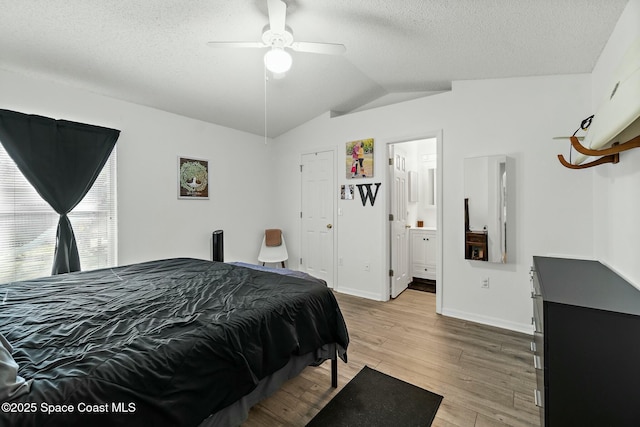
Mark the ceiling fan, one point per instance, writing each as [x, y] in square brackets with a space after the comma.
[277, 37]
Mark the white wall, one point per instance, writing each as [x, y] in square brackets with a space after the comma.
[616, 187]
[153, 223]
[558, 211]
[515, 117]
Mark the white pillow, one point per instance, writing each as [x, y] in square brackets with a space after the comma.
[11, 385]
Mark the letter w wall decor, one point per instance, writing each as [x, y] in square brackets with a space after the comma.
[368, 195]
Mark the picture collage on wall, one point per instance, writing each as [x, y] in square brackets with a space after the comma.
[359, 164]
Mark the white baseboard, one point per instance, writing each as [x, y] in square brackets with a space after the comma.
[484, 320]
[490, 321]
[357, 293]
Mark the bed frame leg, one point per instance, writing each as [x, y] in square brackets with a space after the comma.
[334, 371]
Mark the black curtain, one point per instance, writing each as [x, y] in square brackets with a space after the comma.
[62, 160]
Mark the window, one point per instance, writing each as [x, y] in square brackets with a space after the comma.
[28, 224]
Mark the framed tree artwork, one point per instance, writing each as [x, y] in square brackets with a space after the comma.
[193, 178]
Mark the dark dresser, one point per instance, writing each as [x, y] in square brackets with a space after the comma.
[586, 344]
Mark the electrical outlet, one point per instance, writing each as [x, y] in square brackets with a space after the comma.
[485, 283]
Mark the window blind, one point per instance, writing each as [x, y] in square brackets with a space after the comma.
[28, 224]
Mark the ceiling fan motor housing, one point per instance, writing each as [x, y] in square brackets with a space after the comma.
[277, 39]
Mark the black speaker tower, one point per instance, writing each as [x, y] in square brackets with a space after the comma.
[217, 242]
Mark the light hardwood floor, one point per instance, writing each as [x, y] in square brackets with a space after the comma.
[485, 374]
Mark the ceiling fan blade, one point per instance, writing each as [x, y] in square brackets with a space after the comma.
[277, 13]
[326, 48]
[235, 44]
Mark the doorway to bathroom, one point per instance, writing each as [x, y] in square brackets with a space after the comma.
[414, 252]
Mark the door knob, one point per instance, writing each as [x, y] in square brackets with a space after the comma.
[329, 226]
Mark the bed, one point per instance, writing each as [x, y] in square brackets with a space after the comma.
[176, 342]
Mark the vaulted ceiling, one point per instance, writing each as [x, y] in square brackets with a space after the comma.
[154, 53]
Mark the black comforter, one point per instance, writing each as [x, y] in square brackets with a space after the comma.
[162, 343]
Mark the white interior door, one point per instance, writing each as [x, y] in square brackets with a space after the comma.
[400, 278]
[317, 211]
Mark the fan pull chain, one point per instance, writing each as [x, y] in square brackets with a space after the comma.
[265, 105]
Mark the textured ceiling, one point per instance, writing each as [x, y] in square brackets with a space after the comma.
[154, 53]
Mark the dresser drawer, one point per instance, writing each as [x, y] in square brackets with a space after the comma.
[539, 369]
[537, 345]
[538, 314]
[424, 271]
[538, 398]
[535, 283]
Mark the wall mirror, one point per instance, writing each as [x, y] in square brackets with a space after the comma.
[427, 174]
[430, 186]
[488, 208]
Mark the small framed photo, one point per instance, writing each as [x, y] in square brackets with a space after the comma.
[193, 178]
[346, 192]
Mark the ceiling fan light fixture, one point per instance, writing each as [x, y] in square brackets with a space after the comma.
[277, 60]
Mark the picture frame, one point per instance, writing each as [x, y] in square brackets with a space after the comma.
[347, 191]
[359, 158]
[193, 178]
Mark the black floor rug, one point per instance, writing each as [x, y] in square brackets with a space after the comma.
[372, 399]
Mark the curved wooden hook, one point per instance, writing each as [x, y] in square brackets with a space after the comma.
[615, 148]
[610, 155]
[612, 158]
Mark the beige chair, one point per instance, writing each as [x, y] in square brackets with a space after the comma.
[270, 251]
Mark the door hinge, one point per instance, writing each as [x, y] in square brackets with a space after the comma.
[390, 162]
[300, 260]
[390, 273]
[390, 217]
[300, 214]
[300, 168]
